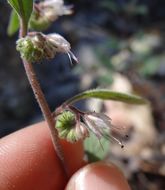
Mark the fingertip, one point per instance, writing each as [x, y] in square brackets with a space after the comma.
[73, 152]
[28, 160]
[98, 176]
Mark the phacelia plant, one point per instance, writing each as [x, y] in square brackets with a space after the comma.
[67, 121]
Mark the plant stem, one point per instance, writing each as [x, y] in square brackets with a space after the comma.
[43, 104]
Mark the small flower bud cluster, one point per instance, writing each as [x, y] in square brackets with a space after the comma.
[36, 46]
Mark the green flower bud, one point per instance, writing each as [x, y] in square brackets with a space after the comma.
[65, 124]
[31, 48]
[69, 128]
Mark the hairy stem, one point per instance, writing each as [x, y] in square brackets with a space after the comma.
[43, 103]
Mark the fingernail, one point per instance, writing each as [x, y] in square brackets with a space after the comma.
[98, 176]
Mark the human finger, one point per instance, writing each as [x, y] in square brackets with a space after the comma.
[98, 176]
[28, 160]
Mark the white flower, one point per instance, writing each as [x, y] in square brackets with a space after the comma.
[37, 46]
[100, 125]
[61, 45]
[52, 9]
[81, 131]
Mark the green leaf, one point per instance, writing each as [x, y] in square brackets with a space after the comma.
[13, 25]
[23, 8]
[107, 95]
[15, 5]
[94, 149]
[151, 65]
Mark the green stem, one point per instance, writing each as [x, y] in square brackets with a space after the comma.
[43, 103]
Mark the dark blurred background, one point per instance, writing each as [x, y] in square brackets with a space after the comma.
[108, 37]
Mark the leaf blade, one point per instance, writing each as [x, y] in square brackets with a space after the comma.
[23, 8]
[96, 150]
[13, 25]
[107, 95]
[15, 5]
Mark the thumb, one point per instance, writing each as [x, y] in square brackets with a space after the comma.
[98, 176]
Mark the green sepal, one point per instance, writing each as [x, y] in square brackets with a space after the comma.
[29, 51]
[71, 136]
[65, 124]
[65, 120]
[38, 23]
[63, 133]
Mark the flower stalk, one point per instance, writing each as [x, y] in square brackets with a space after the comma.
[43, 103]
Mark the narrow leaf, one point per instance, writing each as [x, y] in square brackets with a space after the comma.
[15, 5]
[23, 8]
[13, 25]
[27, 6]
[107, 95]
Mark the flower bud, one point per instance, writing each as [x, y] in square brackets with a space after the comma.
[69, 128]
[31, 48]
[65, 124]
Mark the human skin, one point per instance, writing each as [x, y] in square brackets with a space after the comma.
[28, 162]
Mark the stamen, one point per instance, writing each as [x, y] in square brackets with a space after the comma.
[118, 141]
[70, 59]
[72, 56]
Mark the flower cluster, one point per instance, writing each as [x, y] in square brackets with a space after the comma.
[74, 125]
[46, 12]
[52, 9]
[36, 46]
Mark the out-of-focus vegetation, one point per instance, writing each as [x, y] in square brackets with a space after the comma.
[122, 48]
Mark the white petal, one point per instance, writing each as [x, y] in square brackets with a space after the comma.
[99, 121]
[61, 43]
[92, 127]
